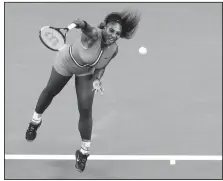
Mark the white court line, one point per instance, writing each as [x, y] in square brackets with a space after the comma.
[116, 157]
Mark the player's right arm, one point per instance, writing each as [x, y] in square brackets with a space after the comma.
[89, 31]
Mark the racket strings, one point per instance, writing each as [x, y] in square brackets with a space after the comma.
[52, 38]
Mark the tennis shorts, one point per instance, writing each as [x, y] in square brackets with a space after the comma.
[65, 66]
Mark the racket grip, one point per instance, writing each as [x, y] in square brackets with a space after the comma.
[71, 26]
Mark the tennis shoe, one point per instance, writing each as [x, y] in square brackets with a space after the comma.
[32, 131]
[81, 160]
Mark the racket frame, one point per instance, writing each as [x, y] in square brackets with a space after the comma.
[69, 27]
[58, 30]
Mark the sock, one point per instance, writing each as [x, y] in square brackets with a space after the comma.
[85, 147]
[36, 118]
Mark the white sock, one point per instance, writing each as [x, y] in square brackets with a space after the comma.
[85, 147]
[36, 118]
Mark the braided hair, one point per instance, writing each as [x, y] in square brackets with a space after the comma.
[129, 21]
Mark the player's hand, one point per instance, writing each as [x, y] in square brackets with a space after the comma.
[97, 86]
[79, 23]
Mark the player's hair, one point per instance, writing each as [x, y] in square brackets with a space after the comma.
[128, 19]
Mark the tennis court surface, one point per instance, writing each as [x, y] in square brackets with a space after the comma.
[166, 103]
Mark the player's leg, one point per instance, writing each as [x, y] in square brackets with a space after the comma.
[85, 97]
[54, 86]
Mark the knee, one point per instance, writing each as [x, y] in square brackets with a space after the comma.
[85, 113]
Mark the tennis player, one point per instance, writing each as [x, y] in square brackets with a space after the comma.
[87, 59]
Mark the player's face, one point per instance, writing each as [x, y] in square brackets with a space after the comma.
[112, 32]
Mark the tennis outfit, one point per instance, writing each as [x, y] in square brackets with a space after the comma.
[81, 61]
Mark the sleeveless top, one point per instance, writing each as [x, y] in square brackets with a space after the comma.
[93, 56]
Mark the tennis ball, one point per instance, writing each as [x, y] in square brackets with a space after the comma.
[142, 50]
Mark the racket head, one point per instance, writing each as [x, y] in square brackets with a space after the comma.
[52, 37]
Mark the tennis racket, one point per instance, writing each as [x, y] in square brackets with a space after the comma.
[54, 38]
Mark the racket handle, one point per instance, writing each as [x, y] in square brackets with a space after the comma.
[71, 26]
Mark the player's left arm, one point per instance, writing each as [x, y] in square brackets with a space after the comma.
[98, 73]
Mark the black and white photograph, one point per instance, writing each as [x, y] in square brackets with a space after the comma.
[112, 90]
